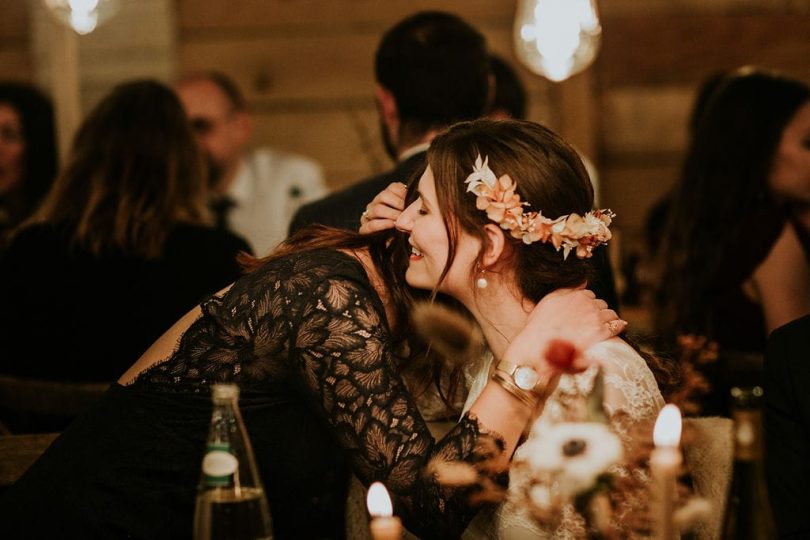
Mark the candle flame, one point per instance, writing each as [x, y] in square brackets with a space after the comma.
[379, 503]
[667, 430]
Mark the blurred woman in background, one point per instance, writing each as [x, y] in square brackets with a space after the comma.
[27, 153]
[735, 266]
[119, 249]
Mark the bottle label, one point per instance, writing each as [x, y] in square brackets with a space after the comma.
[219, 465]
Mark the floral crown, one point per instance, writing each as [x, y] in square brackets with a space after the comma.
[502, 204]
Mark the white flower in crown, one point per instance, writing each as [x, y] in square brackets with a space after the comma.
[481, 176]
[499, 199]
[575, 454]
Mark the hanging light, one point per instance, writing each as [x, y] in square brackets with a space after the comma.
[557, 38]
[82, 15]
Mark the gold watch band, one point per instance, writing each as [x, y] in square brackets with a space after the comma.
[515, 371]
[526, 397]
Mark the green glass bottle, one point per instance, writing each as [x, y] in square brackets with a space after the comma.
[231, 503]
[748, 510]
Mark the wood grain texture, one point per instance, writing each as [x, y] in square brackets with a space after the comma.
[680, 48]
[18, 453]
[288, 15]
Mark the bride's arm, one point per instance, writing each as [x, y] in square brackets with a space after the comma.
[569, 315]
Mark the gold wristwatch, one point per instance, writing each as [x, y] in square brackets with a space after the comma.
[524, 377]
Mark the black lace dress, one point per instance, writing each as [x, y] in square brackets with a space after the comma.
[306, 339]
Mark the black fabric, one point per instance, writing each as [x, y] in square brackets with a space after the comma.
[306, 339]
[787, 427]
[343, 209]
[221, 208]
[68, 315]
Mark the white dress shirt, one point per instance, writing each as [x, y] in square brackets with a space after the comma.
[269, 187]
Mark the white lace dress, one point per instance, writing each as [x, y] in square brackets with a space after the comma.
[629, 386]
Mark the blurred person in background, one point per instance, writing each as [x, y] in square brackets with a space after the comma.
[254, 192]
[27, 153]
[509, 98]
[119, 249]
[432, 70]
[734, 265]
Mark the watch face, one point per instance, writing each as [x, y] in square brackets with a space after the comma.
[526, 377]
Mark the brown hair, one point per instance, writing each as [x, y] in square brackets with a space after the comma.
[133, 172]
[550, 176]
[389, 256]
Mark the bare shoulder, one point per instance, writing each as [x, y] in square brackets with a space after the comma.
[782, 280]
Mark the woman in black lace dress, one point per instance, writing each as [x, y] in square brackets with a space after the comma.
[311, 336]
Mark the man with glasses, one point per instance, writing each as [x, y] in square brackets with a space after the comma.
[255, 192]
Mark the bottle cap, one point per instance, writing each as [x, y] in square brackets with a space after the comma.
[746, 398]
[225, 392]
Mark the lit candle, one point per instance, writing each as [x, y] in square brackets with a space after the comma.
[384, 524]
[665, 461]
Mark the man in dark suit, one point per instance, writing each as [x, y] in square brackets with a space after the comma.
[787, 427]
[432, 70]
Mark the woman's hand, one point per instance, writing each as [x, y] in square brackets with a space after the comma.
[574, 316]
[382, 212]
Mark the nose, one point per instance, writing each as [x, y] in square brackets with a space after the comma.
[404, 221]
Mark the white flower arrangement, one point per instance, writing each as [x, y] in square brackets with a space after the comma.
[574, 454]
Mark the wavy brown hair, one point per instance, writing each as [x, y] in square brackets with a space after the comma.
[723, 208]
[550, 176]
[133, 172]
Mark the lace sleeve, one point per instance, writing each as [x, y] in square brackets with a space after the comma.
[342, 354]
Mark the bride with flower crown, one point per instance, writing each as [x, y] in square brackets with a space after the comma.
[527, 202]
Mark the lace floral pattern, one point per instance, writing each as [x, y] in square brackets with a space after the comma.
[630, 387]
[314, 323]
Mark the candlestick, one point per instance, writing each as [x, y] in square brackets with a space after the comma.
[384, 524]
[665, 461]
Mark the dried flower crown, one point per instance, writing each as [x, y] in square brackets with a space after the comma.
[502, 204]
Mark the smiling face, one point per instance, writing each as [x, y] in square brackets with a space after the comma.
[12, 149]
[430, 245]
[790, 174]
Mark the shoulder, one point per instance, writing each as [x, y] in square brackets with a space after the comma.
[39, 232]
[36, 241]
[629, 382]
[789, 342]
[799, 327]
[202, 238]
[318, 266]
[615, 353]
[342, 208]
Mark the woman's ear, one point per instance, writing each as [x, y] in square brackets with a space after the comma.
[496, 244]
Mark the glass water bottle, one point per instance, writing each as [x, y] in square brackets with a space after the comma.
[231, 503]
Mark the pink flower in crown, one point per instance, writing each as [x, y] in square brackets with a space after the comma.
[536, 228]
[496, 196]
[571, 232]
[502, 202]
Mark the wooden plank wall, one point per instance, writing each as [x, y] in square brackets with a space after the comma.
[654, 56]
[306, 67]
[15, 50]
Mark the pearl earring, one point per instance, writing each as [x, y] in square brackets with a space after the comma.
[481, 282]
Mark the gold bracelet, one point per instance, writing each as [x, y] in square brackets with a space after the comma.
[513, 389]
